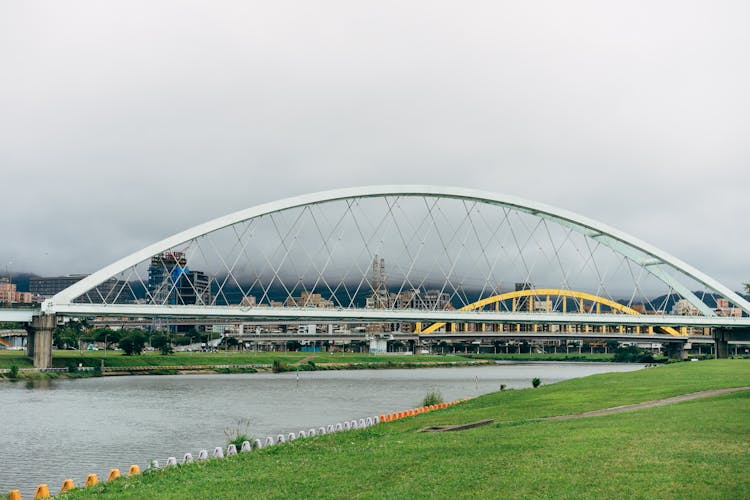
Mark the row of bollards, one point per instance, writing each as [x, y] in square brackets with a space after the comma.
[390, 417]
[42, 490]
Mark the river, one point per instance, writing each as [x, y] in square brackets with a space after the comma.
[58, 429]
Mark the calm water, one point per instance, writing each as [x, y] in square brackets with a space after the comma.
[53, 430]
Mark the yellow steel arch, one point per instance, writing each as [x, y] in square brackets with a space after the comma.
[546, 292]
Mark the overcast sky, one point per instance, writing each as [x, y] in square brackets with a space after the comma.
[124, 122]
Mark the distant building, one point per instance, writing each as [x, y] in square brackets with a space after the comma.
[683, 307]
[724, 309]
[428, 300]
[523, 303]
[308, 299]
[249, 301]
[112, 291]
[170, 282]
[9, 294]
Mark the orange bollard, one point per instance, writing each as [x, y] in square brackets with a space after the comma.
[42, 491]
[14, 495]
[113, 474]
[382, 418]
[91, 480]
[134, 470]
[67, 485]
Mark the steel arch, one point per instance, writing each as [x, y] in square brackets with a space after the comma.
[640, 252]
[545, 292]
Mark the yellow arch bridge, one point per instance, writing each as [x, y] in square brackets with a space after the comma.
[580, 300]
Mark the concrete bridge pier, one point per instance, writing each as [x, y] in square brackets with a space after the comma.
[722, 336]
[677, 350]
[722, 348]
[39, 343]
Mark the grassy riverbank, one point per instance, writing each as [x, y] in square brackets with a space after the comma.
[687, 450]
[560, 356]
[63, 359]
[117, 359]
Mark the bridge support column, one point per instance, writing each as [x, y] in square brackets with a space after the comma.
[677, 350]
[721, 340]
[39, 344]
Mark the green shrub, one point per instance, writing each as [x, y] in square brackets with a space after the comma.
[536, 382]
[280, 366]
[13, 373]
[238, 433]
[432, 398]
[633, 354]
[133, 343]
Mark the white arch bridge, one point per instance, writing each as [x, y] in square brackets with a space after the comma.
[423, 260]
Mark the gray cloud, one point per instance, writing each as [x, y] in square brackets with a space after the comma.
[123, 123]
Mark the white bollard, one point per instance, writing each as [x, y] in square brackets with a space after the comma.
[291, 436]
[301, 434]
[218, 452]
[322, 430]
[269, 441]
[187, 458]
[246, 446]
[347, 426]
[354, 424]
[171, 461]
[330, 428]
[361, 423]
[280, 439]
[231, 450]
[153, 464]
[312, 432]
[203, 455]
[258, 443]
[376, 419]
[369, 422]
[338, 428]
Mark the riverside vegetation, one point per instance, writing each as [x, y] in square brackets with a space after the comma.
[694, 449]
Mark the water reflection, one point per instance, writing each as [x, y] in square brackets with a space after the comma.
[42, 383]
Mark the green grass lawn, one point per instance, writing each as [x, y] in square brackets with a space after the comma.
[18, 358]
[695, 449]
[117, 359]
[560, 356]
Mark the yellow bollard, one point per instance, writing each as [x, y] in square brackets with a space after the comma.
[134, 470]
[91, 480]
[14, 495]
[113, 474]
[67, 485]
[42, 491]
